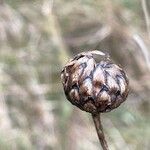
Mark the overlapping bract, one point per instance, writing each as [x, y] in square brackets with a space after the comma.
[94, 87]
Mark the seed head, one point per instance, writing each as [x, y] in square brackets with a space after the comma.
[94, 87]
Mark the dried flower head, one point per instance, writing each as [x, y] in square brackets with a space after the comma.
[94, 87]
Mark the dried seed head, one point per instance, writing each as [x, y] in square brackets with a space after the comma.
[94, 87]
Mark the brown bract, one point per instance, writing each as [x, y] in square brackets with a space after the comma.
[94, 87]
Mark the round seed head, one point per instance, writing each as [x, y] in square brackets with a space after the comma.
[94, 87]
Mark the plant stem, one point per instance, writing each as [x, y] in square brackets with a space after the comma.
[99, 130]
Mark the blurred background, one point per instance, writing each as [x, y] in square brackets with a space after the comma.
[37, 37]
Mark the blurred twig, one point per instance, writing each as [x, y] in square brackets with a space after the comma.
[143, 48]
[146, 15]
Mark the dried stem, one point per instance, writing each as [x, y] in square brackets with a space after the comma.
[99, 130]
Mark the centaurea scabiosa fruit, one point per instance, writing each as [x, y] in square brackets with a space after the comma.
[95, 86]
